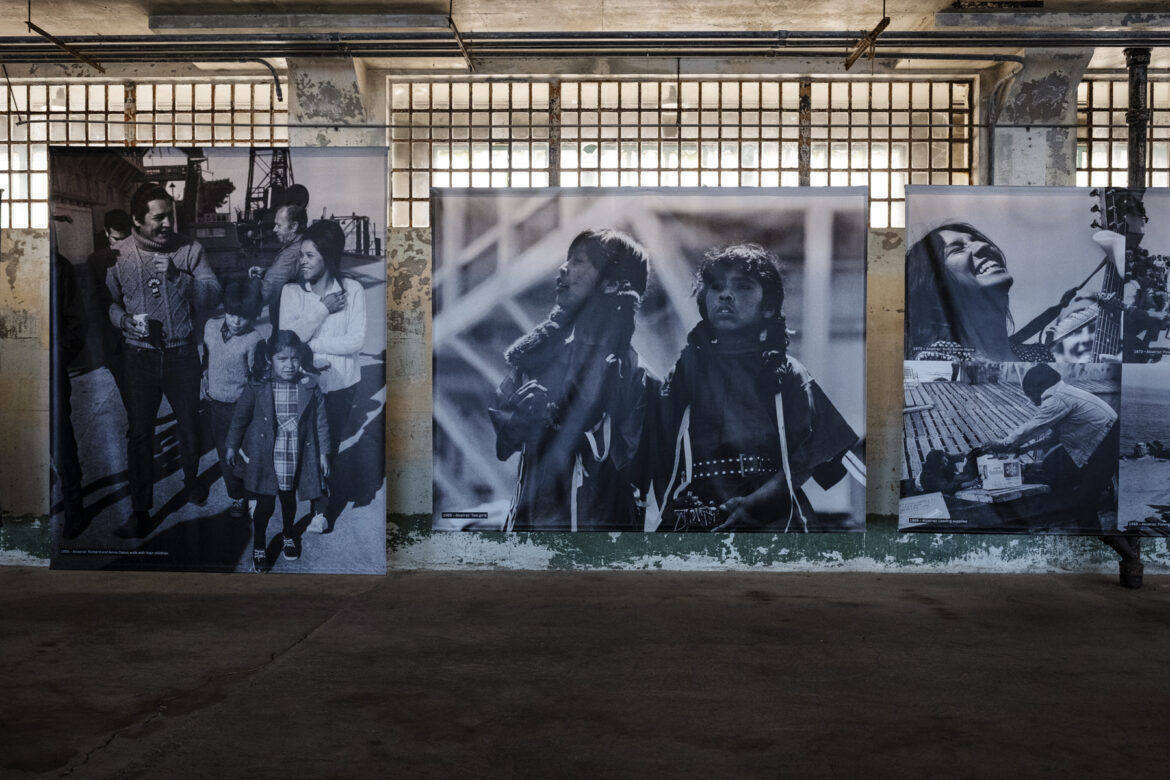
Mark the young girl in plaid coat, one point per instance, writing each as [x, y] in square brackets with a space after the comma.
[279, 440]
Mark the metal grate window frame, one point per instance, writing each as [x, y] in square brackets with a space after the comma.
[736, 132]
[36, 115]
[1102, 133]
[506, 139]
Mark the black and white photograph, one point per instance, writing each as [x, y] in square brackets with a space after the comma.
[1144, 504]
[657, 360]
[1035, 274]
[218, 359]
[1014, 447]
[1142, 217]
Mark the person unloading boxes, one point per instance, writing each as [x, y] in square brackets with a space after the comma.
[1084, 432]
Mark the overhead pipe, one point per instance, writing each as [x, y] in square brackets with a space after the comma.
[272, 70]
[784, 43]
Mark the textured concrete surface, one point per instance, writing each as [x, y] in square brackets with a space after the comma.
[24, 370]
[412, 545]
[1035, 137]
[121, 17]
[325, 95]
[581, 674]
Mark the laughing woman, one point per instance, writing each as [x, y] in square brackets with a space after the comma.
[957, 284]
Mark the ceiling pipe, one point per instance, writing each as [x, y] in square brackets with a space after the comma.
[213, 57]
[272, 70]
[552, 45]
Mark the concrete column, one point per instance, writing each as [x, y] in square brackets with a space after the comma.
[1033, 138]
[408, 371]
[330, 94]
[885, 293]
[24, 371]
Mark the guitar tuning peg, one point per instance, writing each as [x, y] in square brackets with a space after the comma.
[1096, 224]
[1095, 209]
[1094, 193]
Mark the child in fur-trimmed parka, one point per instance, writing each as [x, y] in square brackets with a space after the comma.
[575, 399]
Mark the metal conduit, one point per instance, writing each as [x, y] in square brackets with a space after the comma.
[801, 44]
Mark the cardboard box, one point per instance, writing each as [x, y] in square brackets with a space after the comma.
[999, 473]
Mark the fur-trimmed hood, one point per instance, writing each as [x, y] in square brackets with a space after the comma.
[606, 318]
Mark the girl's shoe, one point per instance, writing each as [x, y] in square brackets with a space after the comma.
[291, 549]
[238, 509]
[259, 560]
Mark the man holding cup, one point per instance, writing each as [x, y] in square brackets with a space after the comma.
[156, 285]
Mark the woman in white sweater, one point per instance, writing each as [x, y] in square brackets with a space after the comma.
[328, 312]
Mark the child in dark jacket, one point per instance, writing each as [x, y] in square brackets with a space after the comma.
[230, 342]
[279, 440]
[741, 425]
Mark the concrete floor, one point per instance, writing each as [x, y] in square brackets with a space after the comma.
[442, 674]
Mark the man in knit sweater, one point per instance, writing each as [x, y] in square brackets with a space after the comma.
[288, 226]
[158, 282]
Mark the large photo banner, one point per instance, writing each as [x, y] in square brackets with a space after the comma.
[1026, 311]
[218, 359]
[649, 360]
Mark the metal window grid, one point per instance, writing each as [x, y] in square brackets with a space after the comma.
[678, 133]
[1102, 133]
[37, 115]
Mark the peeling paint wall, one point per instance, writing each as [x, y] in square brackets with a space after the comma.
[885, 294]
[881, 549]
[1028, 149]
[329, 93]
[24, 371]
[408, 371]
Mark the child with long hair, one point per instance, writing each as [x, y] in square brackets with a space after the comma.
[741, 424]
[279, 440]
[576, 394]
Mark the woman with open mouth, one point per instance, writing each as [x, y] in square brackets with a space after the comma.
[957, 284]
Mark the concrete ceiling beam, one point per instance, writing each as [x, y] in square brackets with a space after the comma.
[1062, 20]
[299, 22]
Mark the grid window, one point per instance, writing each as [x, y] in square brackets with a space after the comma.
[693, 133]
[1103, 134]
[481, 134]
[36, 116]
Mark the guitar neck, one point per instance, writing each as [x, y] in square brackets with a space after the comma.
[1115, 207]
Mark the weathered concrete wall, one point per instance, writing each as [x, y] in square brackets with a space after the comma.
[413, 546]
[24, 371]
[324, 96]
[1035, 137]
[408, 371]
[885, 298]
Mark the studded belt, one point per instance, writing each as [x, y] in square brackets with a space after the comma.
[738, 466]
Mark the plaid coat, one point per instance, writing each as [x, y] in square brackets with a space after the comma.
[253, 433]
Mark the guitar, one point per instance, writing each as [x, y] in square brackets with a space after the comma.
[1120, 211]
